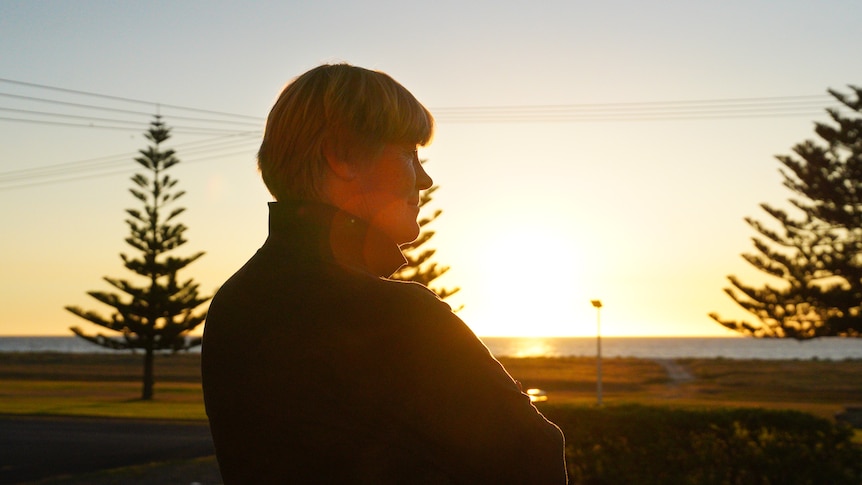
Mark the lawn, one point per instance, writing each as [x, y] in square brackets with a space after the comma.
[819, 387]
[109, 384]
[104, 385]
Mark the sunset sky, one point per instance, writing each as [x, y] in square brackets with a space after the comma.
[583, 150]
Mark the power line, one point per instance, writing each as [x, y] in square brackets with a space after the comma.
[148, 115]
[699, 109]
[176, 129]
[188, 147]
[788, 106]
[623, 111]
[68, 116]
[234, 136]
[675, 110]
[72, 104]
[105, 166]
[199, 126]
[109, 162]
[617, 119]
[67, 167]
[73, 176]
[209, 143]
[124, 99]
[639, 111]
[45, 117]
[62, 180]
[819, 98]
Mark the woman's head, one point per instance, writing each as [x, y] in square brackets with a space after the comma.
[339, 112]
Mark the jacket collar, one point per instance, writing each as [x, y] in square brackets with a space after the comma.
[320, 230]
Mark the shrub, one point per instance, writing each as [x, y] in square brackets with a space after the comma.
[635, 444]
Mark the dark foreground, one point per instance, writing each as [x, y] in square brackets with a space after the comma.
[36, 448]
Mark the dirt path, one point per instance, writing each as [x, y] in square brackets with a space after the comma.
[675, 372]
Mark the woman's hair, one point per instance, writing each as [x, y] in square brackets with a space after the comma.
[339, 110]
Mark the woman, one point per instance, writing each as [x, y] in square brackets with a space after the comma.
[316, 367]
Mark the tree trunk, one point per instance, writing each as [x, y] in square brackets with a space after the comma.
[147, 393]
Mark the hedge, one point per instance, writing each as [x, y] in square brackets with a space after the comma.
[644, 445]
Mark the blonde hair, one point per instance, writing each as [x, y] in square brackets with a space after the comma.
[340, 110]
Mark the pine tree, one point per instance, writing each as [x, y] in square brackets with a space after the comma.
[818, 254]
[420, 268]
[157, 314]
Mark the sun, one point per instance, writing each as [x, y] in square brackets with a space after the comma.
[530, 279]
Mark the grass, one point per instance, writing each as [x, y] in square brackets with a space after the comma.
[109, 384]
[101, 385]
[819, 387]
[104, 399]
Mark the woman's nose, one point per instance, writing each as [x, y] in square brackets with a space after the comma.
[423, 180]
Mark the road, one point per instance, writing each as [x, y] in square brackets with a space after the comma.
[36, 447]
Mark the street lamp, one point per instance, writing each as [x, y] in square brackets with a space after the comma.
[598, 306]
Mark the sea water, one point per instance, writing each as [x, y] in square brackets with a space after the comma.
[831, 348]
[680, 347]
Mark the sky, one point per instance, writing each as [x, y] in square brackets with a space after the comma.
[583, 150]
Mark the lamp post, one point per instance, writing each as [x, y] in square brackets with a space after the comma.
[598, 306]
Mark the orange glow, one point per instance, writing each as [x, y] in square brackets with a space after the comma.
[530, 278]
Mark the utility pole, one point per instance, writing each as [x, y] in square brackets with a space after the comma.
[598, 306]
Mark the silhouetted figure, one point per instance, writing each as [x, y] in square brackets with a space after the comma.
[319, 369]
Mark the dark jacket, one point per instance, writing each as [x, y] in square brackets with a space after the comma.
[318, 369]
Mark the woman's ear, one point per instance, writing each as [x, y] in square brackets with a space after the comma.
[339, 167]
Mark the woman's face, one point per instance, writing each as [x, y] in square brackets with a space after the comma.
[389, 190]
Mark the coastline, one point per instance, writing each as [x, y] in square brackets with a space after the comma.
[638, 347]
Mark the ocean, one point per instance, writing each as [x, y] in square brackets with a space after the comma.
[640, 347]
